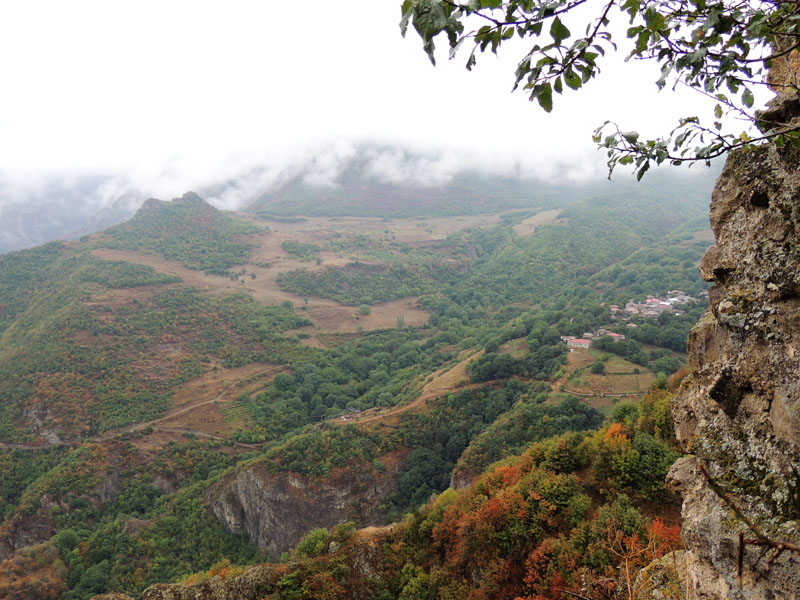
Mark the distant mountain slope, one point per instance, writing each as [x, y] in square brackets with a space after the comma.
[365, 186]
[355, 194]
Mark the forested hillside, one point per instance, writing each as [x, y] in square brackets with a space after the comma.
[163, 381]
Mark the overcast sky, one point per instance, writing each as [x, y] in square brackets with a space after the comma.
[179, 93]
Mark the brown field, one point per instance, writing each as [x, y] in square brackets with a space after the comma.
[619, 382]
[447, 380]
[420, 229]
[529, 225]
[328, 316]
[704, 236]
[516, 348]
[331, 317]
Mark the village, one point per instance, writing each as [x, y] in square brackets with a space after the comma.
[651, 308]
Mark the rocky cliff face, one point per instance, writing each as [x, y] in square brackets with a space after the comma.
[738, 414]
[276, 510]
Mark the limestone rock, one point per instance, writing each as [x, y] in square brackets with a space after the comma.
[275, 510]
[738, 412]
[664, 579]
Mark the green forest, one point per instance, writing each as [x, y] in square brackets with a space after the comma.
[95, 353]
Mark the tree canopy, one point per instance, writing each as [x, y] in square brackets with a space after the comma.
[722, 49]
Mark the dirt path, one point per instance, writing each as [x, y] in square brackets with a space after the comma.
[211, 436]
[444, 381]
[183, 410]
[600, 394]
[156, 423]
[4, 446]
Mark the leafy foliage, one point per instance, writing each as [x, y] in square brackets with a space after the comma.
[668, 264]
[534, 526]
[20, 470]
[301, 250]
[631, 350]
[357, 284]
[530, 420]
[719, 49]
[669, 331]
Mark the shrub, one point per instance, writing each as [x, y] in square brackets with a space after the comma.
[315, 543]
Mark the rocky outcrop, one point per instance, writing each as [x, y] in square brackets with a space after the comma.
[275, 510]
[738, 413]
[255, 583]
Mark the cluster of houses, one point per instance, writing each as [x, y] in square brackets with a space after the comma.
[651, 307]
[586, 339]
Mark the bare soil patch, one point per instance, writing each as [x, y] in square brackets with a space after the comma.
[227, 383]
[260, 281]
[529, 225]
[621, 378]
[447, 380]
[515, 347]
[331, 317]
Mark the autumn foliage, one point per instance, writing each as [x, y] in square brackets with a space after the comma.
[541, 526]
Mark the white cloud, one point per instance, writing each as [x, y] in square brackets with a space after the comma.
[187, 94]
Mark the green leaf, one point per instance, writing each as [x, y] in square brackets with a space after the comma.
[491, 3]
[558, 86]
[572, 79]
[718, 111]
[558, 31]
[747, 98]
[544, 94]
[407, 9]
[631, 136]
[640, 173]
